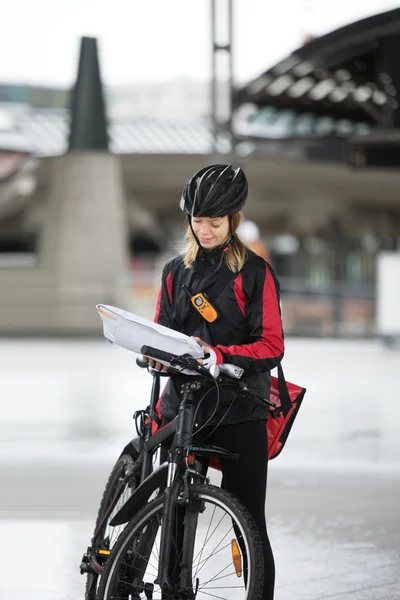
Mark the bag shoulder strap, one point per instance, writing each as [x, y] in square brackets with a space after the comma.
[284, 396]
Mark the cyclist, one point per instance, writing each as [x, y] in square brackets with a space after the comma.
[247, 332]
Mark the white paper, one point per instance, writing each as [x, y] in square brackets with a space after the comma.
[132, 332]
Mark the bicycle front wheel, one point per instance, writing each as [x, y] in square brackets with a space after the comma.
[216, 551]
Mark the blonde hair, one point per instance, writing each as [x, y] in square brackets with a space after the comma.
[235, 256]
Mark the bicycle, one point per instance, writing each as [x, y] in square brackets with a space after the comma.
[165, 528]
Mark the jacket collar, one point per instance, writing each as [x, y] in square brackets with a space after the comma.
[211, 257]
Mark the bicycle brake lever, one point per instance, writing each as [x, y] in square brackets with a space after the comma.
[186, 361]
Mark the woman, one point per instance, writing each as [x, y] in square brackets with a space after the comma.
[247, 331]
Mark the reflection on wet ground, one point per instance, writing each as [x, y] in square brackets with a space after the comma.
[333, 499]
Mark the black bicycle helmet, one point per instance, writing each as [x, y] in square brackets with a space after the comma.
[215, 191]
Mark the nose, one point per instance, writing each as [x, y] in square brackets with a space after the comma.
[205, 229]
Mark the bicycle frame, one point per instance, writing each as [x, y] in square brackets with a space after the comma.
[172, 477]
[181, 427]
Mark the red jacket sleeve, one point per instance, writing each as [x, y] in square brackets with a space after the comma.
[266, 348]
[163, 314]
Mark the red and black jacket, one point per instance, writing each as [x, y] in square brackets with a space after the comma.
[247, 333]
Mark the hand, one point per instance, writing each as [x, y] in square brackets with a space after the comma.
[205, 349]
[212, 357]
[154, 365]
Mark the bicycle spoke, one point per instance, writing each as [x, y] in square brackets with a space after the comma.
[221, 571]
[155, 542]
[215, 528]
[204, 545]
[212, 554]
[136, 553]
[129, 566]
[223, 577]
[213, 595]
[226, 587]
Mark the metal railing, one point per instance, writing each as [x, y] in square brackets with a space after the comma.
[338, 308]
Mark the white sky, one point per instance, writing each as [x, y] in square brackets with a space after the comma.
[158, 40]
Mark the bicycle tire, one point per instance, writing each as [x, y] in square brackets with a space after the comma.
[121, 467]
[202, 492]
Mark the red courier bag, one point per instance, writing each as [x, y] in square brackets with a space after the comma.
[287, 397]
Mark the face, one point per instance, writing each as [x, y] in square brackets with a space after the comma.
[211, 232]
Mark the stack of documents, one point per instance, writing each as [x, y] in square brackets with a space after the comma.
[132, 332]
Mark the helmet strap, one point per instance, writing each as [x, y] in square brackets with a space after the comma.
[231, 237]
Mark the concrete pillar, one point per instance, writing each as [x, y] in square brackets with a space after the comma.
[84, 238]
[84, 243]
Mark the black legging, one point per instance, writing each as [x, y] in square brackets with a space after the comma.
[246, 478]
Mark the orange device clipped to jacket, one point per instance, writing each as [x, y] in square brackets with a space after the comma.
[202, 305]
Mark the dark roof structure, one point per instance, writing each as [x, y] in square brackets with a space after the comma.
[351, 73]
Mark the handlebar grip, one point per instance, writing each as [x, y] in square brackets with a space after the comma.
[157, 354]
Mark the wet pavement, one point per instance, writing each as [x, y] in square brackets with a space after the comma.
[333, 495]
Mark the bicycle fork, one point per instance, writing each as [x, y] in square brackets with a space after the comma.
[177, 542]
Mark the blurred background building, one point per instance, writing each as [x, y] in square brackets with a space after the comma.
[85, 221]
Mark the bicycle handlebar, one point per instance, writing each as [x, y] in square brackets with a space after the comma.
[228, 369]
[157, 354]
[186, 361]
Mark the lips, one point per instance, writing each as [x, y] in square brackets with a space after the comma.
[204, 241]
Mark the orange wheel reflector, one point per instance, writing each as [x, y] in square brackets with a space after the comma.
[236, 557]
[103, 552]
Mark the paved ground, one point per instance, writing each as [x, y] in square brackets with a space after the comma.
[334, 494]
